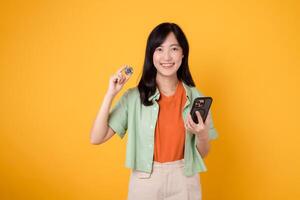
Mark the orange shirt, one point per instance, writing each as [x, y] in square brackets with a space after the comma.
[170, 130]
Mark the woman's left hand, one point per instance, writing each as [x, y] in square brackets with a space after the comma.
[201, 129]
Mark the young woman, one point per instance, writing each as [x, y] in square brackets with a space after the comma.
[165, 147]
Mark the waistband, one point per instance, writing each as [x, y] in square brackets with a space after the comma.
[168, 165]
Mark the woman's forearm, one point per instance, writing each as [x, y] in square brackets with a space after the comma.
[100, 126]
[203, 145]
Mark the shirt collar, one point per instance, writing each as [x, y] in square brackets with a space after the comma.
[155, 96]
[187, 89]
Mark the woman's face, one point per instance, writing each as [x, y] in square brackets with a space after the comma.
[168, 56]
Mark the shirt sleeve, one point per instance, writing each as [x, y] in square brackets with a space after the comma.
[212, 133]
[118, 116]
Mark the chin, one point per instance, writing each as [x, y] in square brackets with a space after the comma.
[167, 74]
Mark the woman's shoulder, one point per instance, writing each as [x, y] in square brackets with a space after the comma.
[132, 92]
[198, 92]
[194, 91]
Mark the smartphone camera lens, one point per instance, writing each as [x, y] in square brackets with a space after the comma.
[199, 103]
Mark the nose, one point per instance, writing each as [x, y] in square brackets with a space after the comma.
[167, 55]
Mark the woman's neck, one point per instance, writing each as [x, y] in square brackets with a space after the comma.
[167, 85]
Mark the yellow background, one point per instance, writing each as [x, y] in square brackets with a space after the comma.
[56, 58]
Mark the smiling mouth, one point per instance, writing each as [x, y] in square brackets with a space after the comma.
[167, 65]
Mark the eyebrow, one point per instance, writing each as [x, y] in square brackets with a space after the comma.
[171, 45]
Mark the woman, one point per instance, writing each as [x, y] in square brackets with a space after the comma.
[165, 147]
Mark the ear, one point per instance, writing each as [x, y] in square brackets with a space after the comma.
[182, 56]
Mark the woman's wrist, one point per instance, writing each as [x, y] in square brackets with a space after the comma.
[202, 137]
[110, 94]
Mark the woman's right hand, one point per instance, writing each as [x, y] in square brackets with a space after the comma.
[117, 81]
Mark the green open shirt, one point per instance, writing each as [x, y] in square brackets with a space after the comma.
[129, 114]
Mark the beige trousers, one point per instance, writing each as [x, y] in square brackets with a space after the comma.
[166, 182]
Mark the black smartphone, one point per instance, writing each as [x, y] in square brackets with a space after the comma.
[201, 104]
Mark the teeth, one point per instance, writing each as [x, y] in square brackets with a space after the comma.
[167, 65]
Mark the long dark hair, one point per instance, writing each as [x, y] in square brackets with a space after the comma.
[147, 84]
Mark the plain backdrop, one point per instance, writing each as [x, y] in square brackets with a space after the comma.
[56, 58]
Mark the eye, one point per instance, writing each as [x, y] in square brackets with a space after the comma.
[175, 49]
[158, 49]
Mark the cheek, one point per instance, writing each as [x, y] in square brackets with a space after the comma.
[156, 58]
[177, 57]
[179, 60]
